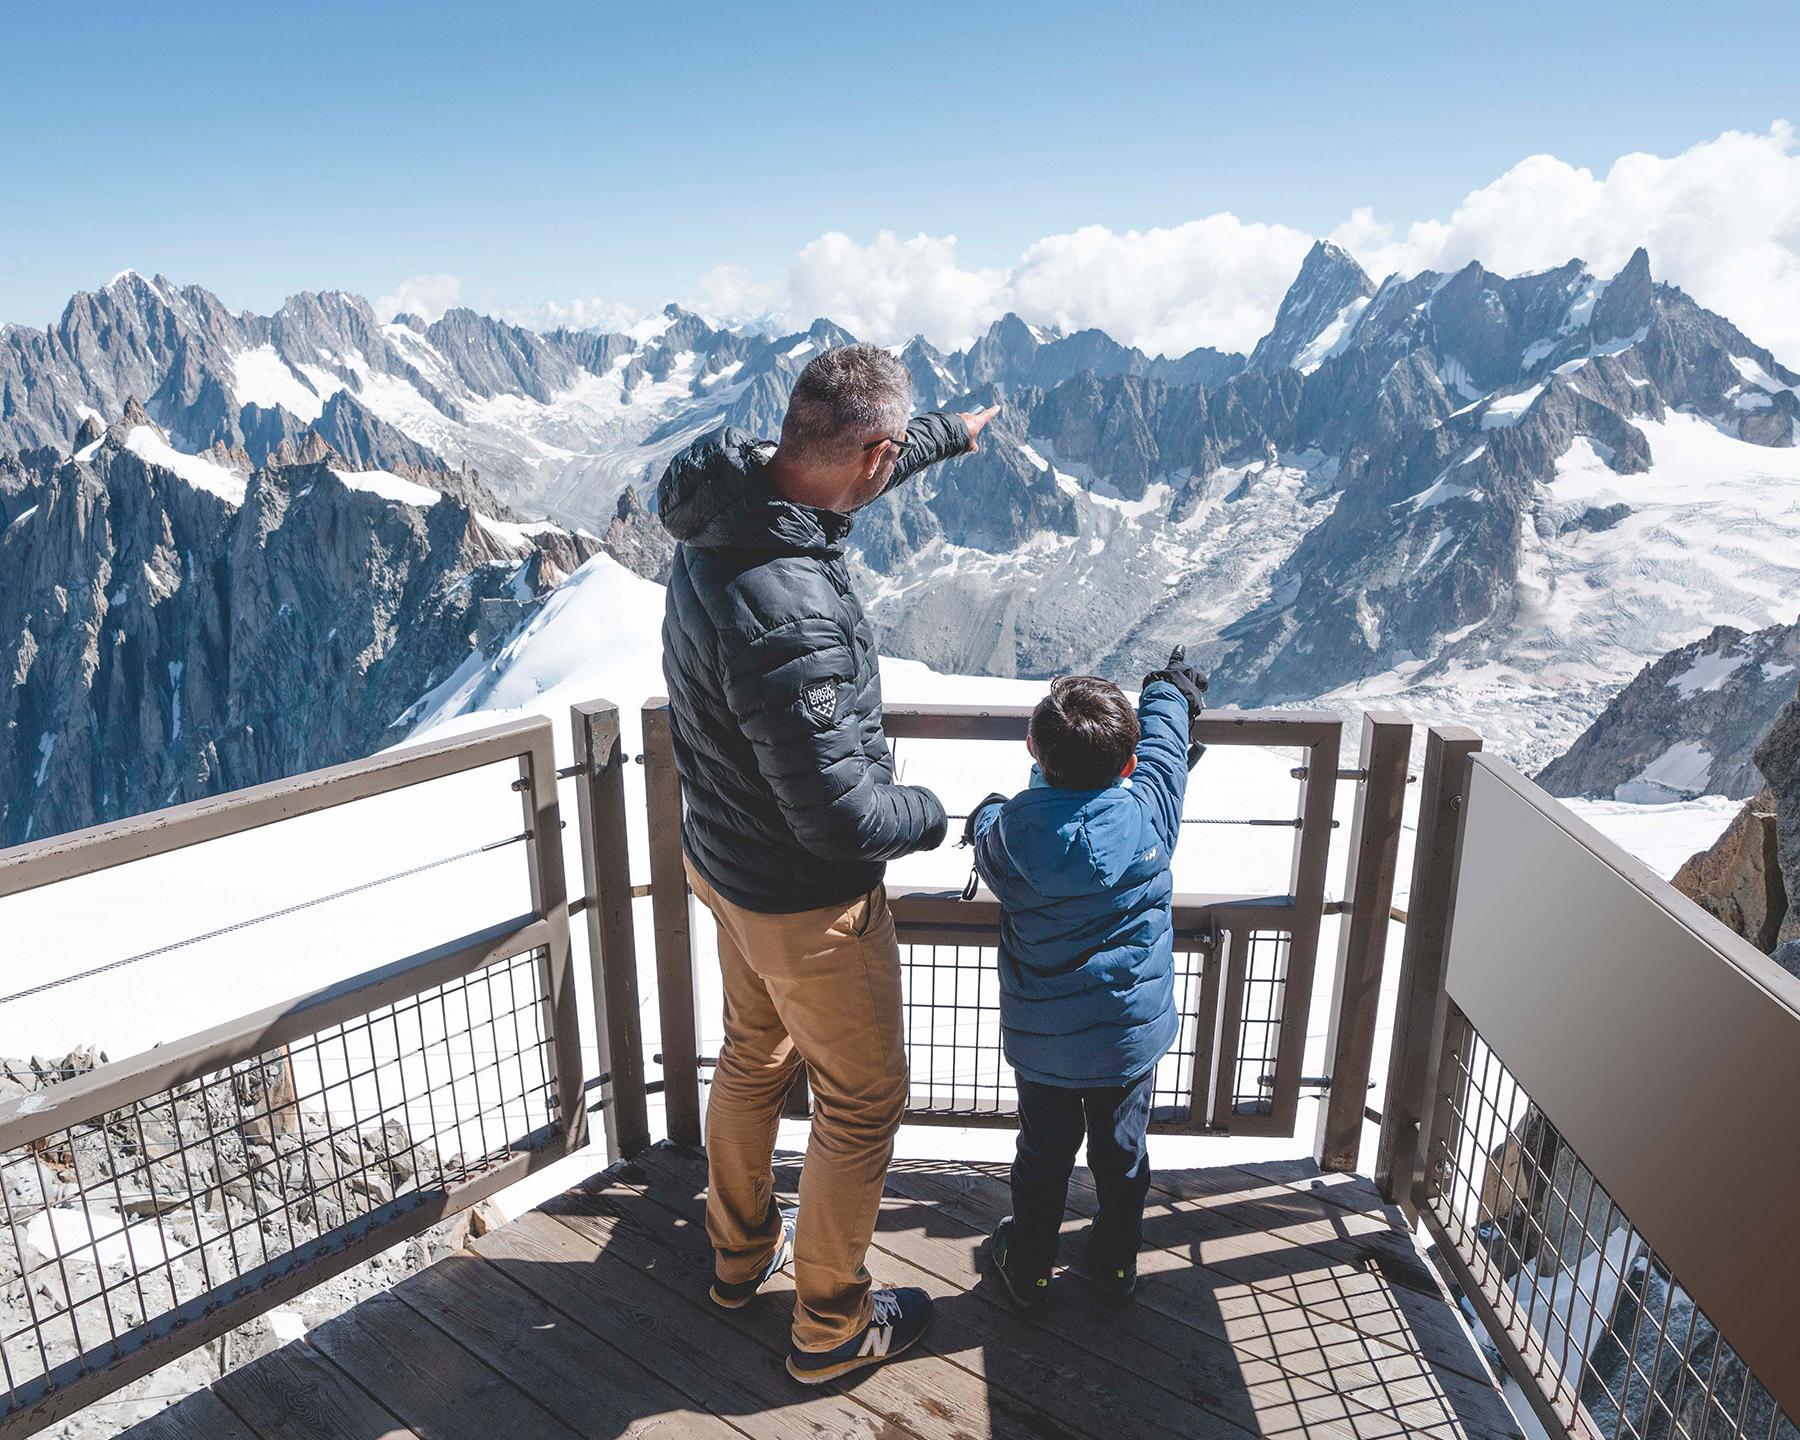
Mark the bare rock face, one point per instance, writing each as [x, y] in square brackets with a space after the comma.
[1689, 724]
[637, 540]
[1739, 880]
[1779, 759]
[168, 633]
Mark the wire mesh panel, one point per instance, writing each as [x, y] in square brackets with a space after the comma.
[1613, 1343]
[951, 994]
[139, 1220]
[1259, 1025]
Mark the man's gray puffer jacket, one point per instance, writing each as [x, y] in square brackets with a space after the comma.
[774, 691]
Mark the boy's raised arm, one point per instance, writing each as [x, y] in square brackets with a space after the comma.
[1167, 707]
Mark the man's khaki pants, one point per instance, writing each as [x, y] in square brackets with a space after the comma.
[821, 987]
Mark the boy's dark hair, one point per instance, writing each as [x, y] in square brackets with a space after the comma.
[1083, 733]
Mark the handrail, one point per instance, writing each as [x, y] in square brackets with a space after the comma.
[142, 837]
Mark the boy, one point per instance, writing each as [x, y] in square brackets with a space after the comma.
[1080, 864]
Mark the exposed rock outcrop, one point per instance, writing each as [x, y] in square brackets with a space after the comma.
[1739, 880]
[637, 540]
[1689, 724]
[175, 625]
[1779, 758]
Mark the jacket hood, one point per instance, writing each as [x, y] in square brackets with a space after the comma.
[715, 495]
[1062, 841]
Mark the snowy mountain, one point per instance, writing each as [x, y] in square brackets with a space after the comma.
[1689, 724]
[1483, 497]
[174, 625]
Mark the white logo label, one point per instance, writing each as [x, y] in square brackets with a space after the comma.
[821, 698]
[876, 1342]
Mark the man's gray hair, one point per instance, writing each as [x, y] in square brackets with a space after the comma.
[844, 398]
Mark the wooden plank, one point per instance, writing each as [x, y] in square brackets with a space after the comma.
[202, 1416]
[1194, 1367]
[1405, 1100]
[295, 1393]
[674, 938]
[689, 1346]
[433, 1384]
[593, 1389]
[1256, 1311]
[920, 1392]
[1362, 937]
[979, 1331]
[1312, 857]
[611, 932]
[1179, 1300]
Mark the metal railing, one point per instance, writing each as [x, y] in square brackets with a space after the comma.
[1244, 963]
[1592, 1126]
[152, 1204]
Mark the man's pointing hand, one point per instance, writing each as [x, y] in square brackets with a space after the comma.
[977, 421]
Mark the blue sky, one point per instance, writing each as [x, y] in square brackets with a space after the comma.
[542, 153]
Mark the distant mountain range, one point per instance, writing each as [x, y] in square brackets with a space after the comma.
[1492, 498]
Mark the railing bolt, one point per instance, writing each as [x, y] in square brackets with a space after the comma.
[521, 784]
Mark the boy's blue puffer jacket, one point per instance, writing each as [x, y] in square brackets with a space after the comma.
[1087, 996]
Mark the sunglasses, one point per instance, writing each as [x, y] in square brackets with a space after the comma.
[899, 444]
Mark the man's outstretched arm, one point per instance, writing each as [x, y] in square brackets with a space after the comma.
[939, 436]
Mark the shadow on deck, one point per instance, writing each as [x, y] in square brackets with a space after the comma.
[1275, 1301]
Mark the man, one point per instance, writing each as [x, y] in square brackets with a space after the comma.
[792, 812]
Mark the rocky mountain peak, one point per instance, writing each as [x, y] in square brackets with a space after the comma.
[1628, 302]
[1316, 312]
[131, 418]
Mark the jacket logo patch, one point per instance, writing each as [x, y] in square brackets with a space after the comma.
[821, 698]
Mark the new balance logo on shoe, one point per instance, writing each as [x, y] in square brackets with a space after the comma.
[876, 1341]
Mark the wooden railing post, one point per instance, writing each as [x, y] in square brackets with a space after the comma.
[1412, 1058]
[550, 899]
[612, 936]
[674, 935]
[1312, 859]
[1362, 937]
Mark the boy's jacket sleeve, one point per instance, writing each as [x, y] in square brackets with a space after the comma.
[1161, 775]
[989, 853]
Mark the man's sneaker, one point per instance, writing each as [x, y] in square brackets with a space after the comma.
[898, 1319]
[736, 1296]
[1030, 1293]
[1116, 1284]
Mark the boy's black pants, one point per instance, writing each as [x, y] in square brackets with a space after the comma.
[1052, 1121]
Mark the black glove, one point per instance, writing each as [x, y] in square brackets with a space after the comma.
[993, 798]
[1192, 685]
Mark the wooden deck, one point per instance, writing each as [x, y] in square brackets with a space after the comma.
[1274, 1301]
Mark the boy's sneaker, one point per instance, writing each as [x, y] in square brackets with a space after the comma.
[1030, 1293]
[898, 1319]
[736, 1296]
[1116, 1283]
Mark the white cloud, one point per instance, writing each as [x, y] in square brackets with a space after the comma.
[427, 296]
[589, 314]
[1722, 220]
[732, 295]
[893, 289]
